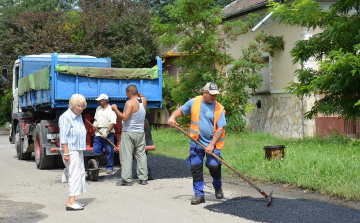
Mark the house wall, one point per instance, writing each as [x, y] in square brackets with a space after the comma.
[281, 114]
[282, 69]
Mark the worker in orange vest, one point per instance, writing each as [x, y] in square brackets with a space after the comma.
[207, 126]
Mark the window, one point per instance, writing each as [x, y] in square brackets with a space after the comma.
[265, 71]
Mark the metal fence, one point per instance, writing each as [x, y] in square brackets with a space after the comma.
[325, 126]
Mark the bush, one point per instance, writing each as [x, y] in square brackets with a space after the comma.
[5, 107]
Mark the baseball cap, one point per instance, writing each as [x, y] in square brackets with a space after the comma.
[211, 88]
[102, 97]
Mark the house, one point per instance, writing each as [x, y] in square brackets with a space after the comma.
[277, 112]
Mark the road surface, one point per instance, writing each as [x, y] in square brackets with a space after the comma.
[31, 195]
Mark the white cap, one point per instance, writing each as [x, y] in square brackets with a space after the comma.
[102, 97]
[211, 88]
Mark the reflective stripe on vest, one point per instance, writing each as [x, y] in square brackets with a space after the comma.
[195, 118]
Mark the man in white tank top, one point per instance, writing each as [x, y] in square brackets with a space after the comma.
[132, 142]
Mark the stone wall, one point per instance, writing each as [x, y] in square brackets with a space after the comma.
[281, 115]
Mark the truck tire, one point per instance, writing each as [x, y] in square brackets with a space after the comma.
[19, 145]
[58, 162]
[12, 135]
[93, 170]
[41, 159]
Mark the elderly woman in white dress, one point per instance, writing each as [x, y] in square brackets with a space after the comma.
[72, 145]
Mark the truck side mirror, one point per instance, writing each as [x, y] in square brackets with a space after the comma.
[4, 74]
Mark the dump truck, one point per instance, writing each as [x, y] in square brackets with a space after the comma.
[43, 85]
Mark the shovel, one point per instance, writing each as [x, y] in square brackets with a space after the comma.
[268, 197]
[101, 134]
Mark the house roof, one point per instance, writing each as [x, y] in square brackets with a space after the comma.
[239, 6]
[166, 51]
[231, 10]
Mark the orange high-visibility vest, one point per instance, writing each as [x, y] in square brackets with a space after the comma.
[195, 118]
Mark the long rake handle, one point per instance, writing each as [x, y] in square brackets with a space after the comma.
[218, 158]
[101, 134]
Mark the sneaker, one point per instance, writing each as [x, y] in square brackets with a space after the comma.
[123, 183]
[109, 171]
[143, 182]
[219, 193]
[198, 200]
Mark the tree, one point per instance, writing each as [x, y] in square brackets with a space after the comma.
[26, 26]
[34, 33]
[16, 7]
[158, 7]
[337, 50]
[120, 30]
[244, 74]
[117, 29]
[200, 35]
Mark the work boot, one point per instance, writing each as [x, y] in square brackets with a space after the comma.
[123, 183]
[109, 171]
[143, 182]
[219, 193]
[198, 200]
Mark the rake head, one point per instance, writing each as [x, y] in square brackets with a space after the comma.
[269, 199]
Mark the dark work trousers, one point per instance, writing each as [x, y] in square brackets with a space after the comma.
[196, 164]
[100, 144]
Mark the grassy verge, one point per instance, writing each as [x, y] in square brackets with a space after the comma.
[324, 165]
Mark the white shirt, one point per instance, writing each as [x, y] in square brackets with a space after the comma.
[104, 118]
[72, 131]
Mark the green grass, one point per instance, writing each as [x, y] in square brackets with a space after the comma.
[325, 165]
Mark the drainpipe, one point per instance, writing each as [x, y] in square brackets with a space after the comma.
[303, 121]
[264, 20]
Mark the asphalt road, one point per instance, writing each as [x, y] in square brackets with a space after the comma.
[31, 195]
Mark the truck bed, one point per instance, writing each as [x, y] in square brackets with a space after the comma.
[38, 94]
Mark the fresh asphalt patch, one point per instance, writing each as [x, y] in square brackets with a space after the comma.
[286, 210]
[161, 167]
[282, 210]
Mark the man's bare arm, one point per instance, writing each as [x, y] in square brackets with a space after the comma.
[128, 110]
[217, 135]
[111, 126]
[176, 114]
[118, 113]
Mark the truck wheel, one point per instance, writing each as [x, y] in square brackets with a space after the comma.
[12, 135]
[93, 170]
[58, 162]
[41, 159]
[19, 145]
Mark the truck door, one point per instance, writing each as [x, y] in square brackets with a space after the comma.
[15, 105]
